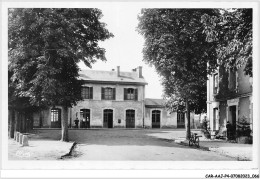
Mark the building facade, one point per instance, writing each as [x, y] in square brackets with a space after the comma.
[229, 98]
[113, 99]
[157, 116]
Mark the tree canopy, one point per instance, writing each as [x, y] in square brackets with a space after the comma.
[176, 46]
[232, 30]
[45, 45]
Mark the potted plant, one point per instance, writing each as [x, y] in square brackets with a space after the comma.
[205, 129]
[243, 132]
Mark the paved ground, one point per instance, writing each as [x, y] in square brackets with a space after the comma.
[124, 144]
[133, 145]
[239, 151]
[38, 149]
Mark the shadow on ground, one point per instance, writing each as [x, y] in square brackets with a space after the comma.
[116, 137]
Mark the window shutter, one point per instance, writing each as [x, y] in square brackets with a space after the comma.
[114, 93]
[125, 93]
[136, 94]
[102, 93]
[91, 93]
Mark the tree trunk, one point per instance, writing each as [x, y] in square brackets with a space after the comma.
[15, 121]
[11, 118]
[64, 125]
[40, 122]
[187, 119]
[18, 121]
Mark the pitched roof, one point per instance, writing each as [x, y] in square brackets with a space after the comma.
[111, 76]
[154, 102]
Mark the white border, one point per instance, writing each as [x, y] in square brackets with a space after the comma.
[164, 166]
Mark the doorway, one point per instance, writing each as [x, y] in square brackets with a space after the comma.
[108, 118]
[130, 118]
[156, 119]
[233, 116]
[180, 120]
[215, 119]
[85, 118]
[55, 118]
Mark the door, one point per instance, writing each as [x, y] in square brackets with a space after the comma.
[215, 119]
[130, 118]
[156, 115]
[85, 118]
[55, 118]
[108, 118]
[233, 116]
[180, 120]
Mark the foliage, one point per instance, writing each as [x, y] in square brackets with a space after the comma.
[176, 45]
[44, 48]
[243, 127]
[232, 30]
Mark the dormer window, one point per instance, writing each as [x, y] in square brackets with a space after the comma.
[130, 94]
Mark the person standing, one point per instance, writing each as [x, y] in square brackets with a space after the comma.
[76, 122]
[87, 123]
[229, 130]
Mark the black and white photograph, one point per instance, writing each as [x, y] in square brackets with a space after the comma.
[145, 89]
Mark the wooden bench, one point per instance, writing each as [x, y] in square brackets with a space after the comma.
[194, 139]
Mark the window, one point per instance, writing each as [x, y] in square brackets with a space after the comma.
[108, 93]
[215, 85]
[55, 115]
[87, 92]
[130, 94]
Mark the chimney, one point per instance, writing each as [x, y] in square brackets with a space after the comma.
[118, 71]
[140, 72]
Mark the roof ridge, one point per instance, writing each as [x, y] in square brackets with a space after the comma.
[109, 71]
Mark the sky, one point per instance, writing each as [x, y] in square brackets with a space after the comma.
[125, 48]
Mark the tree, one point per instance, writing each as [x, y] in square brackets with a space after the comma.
[45, 45]
[176, 46]
[232, 30]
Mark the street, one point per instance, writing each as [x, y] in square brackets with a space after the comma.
[133, 145]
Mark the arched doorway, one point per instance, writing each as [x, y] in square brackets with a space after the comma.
[180, 120]
[85, 118]
[55, 118]
[156, 119]
[108, 118]
[130, 118]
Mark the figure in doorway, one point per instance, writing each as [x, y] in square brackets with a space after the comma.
[87, 123]
[229, 131]
[76, 121]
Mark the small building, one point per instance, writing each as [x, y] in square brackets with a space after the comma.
[229, 98]
[157, 116]
[113, 99]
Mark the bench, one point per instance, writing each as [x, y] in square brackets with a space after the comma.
[194, 139]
